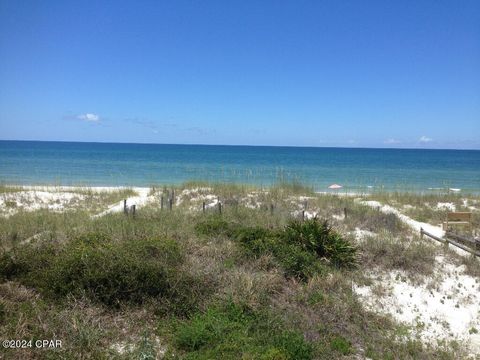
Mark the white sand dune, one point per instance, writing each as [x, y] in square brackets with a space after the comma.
[31, 200]
[447, 307]
[62, 198]
[450, 309]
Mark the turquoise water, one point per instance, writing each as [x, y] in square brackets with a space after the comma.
[103, 164]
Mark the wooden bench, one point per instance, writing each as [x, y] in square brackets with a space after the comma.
[458, 218]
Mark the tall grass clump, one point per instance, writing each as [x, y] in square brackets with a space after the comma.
[389, 252]
[366, 218]
[291, 188]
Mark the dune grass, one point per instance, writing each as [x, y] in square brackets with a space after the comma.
[246, 284]
[4, 189]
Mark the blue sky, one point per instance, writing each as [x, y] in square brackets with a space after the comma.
[300, 73]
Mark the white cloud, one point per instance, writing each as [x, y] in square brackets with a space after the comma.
[89, 117]
[392, 141]
[425, 139]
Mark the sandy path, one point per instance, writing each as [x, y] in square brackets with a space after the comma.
[141, 199]
[415, 225]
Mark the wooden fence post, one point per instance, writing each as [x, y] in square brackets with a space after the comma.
[345, 212]
[303, 215]
[203, 207]
[421, 233]
[161, 202]
[170, 203]
[125, 206]
[219, 207]
[133, 210]
[271, 209]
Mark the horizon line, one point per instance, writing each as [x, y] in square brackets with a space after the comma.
[244, 145]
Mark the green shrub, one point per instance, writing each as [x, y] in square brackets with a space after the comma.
[298, 262]
[293, 258]
[317, 297]
[30, 260]
[108, 272]
[273, 354]
[92, 238]
[293, 345]
[256, 241]
[111, 273]
[234, 332]
[27, 260]
[215, 225]
[301, 248]
[340, 345]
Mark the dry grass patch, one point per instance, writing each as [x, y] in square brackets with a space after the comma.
[414, 255]
[251, 287]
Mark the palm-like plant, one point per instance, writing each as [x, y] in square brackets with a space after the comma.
[318, 237]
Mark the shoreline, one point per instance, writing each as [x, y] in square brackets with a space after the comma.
[340, 192]
[72, 188]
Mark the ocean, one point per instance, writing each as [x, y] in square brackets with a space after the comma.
[356, 169]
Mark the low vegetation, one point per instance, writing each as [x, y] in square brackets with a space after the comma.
[303, 249]
[249, 283]
[230, 330]
[105, 271]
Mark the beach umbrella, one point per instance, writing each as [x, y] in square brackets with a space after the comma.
[335, 186]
